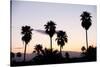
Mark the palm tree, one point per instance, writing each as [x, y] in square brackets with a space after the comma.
[50, 30]
[12, 55]
[86, 23]
[38, 48]
[19, 54]
[27, 36]
[83, 49]
[61, 39]
[67, 55]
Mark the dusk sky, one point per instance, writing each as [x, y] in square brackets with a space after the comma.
[66, 16]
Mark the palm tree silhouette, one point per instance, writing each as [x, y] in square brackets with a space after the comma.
[61, 39]
[67, 55]
[18, 54]
[27, 36]
[12, 54]
[38, 48]
[50, 30]
[83, 49]
[86, 23]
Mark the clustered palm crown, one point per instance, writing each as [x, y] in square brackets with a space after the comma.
[86, 20]
[83, 48]
[61, 38]
[27, 33]
[50, 28]
[19, 54]
[38, 47]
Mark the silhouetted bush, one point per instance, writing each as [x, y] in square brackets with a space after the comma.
[90, 54]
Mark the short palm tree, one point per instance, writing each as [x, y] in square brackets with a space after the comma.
[19, 54]
[61, 39]
[27, 36]
[83, 49]
[86, 23]
[38, 48]
[67, 55]
[50, 30]
[12, 55]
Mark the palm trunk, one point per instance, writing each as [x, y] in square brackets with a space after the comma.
[38, 52]
[42, 52]
[86, 39]
[60, 50]
[51, 43]
[25, 52]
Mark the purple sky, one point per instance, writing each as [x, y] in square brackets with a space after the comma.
[66, 16]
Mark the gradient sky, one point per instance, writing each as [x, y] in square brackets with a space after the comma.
[66, 16]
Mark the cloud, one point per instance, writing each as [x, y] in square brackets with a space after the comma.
[41, 31]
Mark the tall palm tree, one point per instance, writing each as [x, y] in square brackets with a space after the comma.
[50, 30]
[86, 23]
[38, 48]
[27, 36]
[61, 39]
